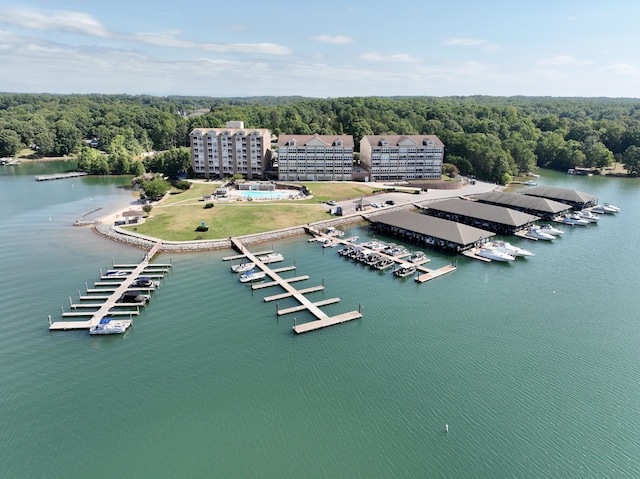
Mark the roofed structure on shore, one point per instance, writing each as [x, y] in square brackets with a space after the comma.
[576, 199]
[493, 218]
[534, 205]
[429, 230]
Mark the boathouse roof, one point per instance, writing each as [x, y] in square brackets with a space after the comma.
[563, 195]
[525, 202]
[431, 226]
[482, 211]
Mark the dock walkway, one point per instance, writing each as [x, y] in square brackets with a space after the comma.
[106, 307]
[427, 273]
[323, 320]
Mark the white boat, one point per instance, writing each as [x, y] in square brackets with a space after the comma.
[403, 271]
[117, 272]
[417, 256]
[605, 208]
[384, 264]
[589, 216]
[537, 233]
[251, 276]
[242, 267]
[271, 258]
[573, 219]
[109, 326]
[611, 207]
[530, 183]
[508, 248]
[550, 229]
[493, 254]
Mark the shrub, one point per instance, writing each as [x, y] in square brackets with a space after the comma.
[202, 228]
[208, 205]
[183, 185]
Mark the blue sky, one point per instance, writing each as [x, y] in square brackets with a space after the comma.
[321, 49]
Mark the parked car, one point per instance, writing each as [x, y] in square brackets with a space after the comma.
[331, 203]
[390, 202]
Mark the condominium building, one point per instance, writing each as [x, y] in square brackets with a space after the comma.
[315, 157]
[223, 152]
[402, 157]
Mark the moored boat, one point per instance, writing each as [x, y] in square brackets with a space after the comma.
[251, 276]
[547, 228]
[242, 267]
[605, 208]
[573, 219]
[271, 258]
[404, 271]
[538, 233]
[589, 216]
[508, 248]
[108, 326]
[488, 252]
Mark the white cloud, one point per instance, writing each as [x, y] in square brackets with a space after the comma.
[471, 42]
[563, 60]
[622, 69]
[337, 39]
[172, 42]
[66, 22]
[81, 23]
[394, 58]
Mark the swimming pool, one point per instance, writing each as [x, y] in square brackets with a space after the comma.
[266, 195]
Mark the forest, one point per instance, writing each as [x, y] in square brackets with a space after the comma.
[492, 138]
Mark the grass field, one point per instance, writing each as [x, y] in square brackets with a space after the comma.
[177, 216]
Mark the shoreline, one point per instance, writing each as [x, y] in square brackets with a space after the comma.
[104, 225]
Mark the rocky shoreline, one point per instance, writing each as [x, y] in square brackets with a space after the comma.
[129, 238]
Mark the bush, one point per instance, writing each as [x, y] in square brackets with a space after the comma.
[208, 205]
[147, 208]
[202, 228]
[183, 185]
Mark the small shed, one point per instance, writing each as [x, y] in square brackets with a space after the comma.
[132, 216]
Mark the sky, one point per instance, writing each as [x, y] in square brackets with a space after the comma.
[330, 49]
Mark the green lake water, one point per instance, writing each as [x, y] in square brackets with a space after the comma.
[533, 365]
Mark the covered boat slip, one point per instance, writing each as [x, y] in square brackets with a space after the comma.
[545, 208]
[429, 230]
[576, 199]
[497, 219]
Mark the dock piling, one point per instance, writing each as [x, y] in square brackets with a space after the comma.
[49, 320]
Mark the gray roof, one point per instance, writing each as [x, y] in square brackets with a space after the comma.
[436, 227]
[533, 203]
[560, 194]
[474, 209]
[325, 140]
[397, 140]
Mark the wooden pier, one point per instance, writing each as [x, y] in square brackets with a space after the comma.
[60, 176]
[323, 320]
[116, 290]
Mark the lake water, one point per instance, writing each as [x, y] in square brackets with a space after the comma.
[534, 365]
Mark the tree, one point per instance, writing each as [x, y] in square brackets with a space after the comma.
[631, 160]
[10, 143]
[67, 137]
[155, 189]
[450, 170]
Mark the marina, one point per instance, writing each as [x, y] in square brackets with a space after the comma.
[121, 296]
[382, 256]
[322, 319]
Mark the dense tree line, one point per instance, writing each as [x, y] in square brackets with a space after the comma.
[493, 138]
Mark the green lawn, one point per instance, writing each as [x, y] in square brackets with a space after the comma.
[176, 217]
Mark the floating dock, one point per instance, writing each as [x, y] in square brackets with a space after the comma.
[427, 273]
[60, 176]
[115, 291]
[323, 320]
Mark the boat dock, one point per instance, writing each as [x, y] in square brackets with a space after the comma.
[399, 260]
[60, 176]
[114, 290]
[322, 321]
